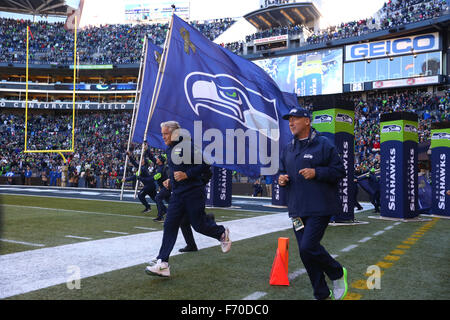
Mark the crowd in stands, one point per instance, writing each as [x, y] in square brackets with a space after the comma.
[110, 44]
[396, 13]
[101, 138]
[393, 13]
[122, 44]
[100, 144]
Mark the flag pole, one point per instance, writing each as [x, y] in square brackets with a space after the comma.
[155, 94]
[136, 103]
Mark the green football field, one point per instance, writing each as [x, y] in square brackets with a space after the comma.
[397, 260]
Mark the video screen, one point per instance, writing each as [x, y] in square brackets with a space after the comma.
[281, 70]
[307, 74]
[319, 72]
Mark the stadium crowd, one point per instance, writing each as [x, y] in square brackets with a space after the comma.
[101, 138]
[110, 44]
[50, 43]
[393, 13]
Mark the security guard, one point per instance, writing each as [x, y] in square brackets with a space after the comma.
[161, 175]
[187, 199]
[310, 169]
[374, 183]
[146, 177]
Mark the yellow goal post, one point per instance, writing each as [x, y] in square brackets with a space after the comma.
[60, 152]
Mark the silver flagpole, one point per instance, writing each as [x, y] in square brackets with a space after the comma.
[135, 110]
[155, 95]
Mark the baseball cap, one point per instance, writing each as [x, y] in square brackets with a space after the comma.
[297, 112]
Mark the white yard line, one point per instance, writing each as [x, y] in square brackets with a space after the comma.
[116, 232]
[255, 295]
[378, 233]
[23, 242]
[78, 237]
[296, 273]
[364, 239]
[78, 211]
[145, 228]
[350, 247]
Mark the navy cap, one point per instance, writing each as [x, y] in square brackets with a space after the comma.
[297, 112]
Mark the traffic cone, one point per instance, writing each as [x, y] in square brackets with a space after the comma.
[279, 272]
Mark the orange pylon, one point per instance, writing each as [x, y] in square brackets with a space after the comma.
[279, 272]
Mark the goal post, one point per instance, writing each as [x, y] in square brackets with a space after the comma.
[73, 99]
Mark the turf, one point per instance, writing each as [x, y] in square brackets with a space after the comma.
[415, 273]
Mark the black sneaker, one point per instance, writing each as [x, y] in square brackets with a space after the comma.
[158, 219]
[188, 249]
[147, 210]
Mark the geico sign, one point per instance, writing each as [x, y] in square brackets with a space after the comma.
[392, 47]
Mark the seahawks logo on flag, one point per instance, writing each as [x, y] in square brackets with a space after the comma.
[228, 97]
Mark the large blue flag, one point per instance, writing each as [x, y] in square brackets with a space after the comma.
[229, 105]
[149, 79]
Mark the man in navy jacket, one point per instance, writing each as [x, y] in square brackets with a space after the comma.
[146, 177]
[310, 169]
[188, 197]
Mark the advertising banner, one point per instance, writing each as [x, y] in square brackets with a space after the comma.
[398, 179]
[219, 188]
[337, 123]
[440, 168]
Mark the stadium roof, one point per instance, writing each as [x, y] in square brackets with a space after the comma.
[35, 7]
[300, 13]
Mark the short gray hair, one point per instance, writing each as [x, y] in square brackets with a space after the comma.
[172, 125]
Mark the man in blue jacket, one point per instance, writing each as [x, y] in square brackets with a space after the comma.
[188, 198]
[310, 169]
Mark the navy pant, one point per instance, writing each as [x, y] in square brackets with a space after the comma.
[147, 190]
[375, 200]
[190, 207]
[163, 195]
[316, 259]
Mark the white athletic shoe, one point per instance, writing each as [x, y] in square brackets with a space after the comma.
[225, 241]
[340, 286]
[161, 269]
[152, 262]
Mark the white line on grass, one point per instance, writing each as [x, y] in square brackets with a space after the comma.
[378, 233]
[77, 237]
[116, 232]
[388, 227]
[296, 274]
[255, 295]
[145, 228]
[350, 247]
[24, 243]
[78, 211]
[364, 239]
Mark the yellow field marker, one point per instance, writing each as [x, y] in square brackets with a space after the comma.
[391, 258]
